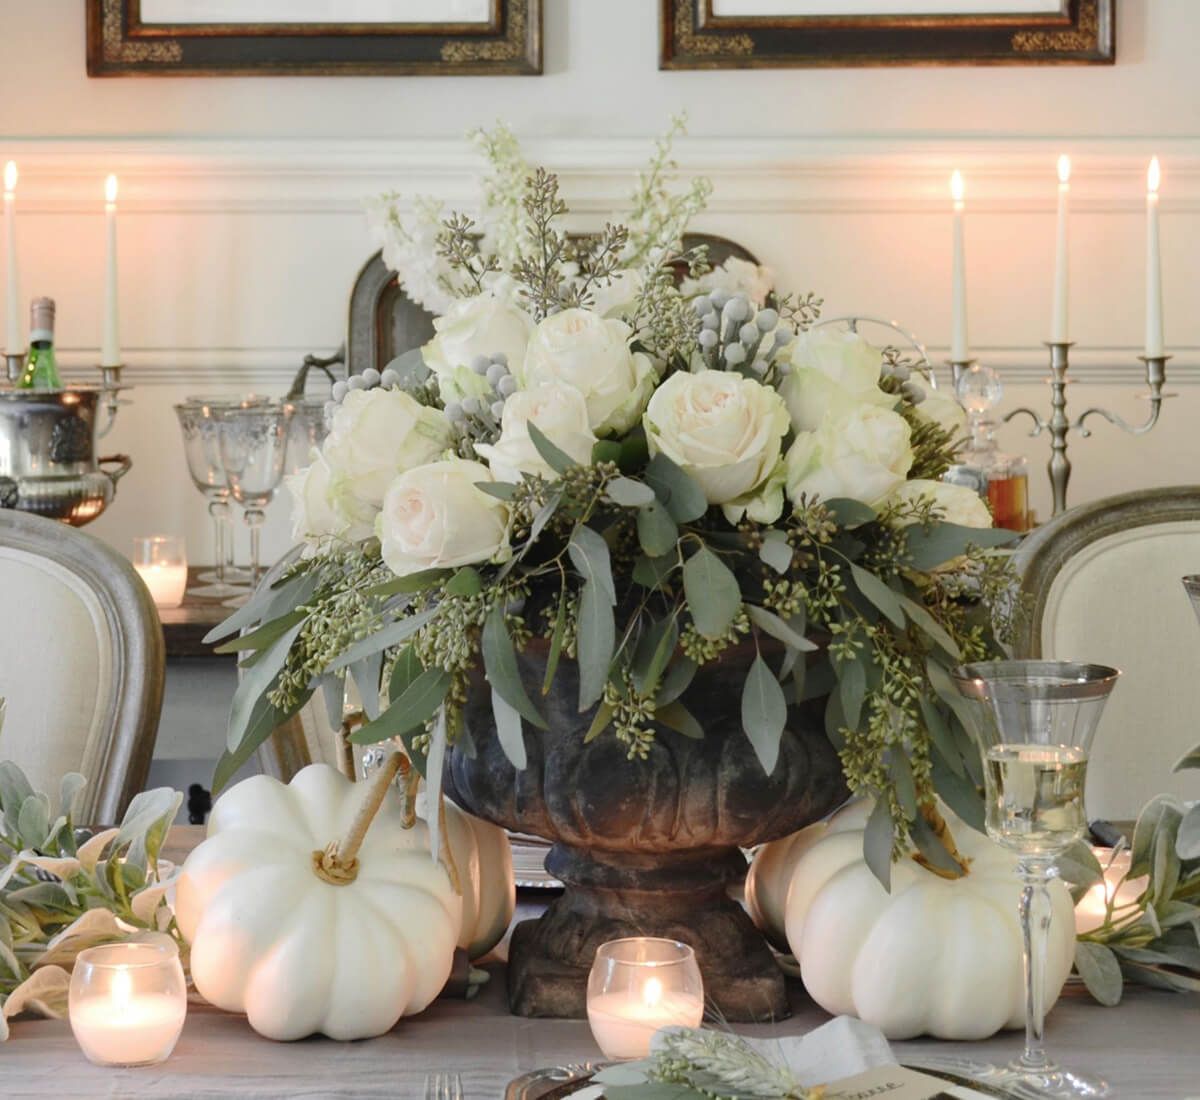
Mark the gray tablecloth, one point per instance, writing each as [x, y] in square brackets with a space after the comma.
[1148, 1048]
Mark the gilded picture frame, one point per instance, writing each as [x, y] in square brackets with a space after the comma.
[165, 38]
[761, 34]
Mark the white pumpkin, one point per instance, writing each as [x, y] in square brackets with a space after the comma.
[483, 856]
[935, 956]
[295, 953]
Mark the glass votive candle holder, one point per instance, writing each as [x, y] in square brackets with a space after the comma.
[161, 562]
[127, 1003]
[637, 986]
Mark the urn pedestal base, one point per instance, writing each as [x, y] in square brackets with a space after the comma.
[613, 895]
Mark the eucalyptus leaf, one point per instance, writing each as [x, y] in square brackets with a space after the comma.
[653, 572]
[556, 640]
[589, 554]
[466, 582]
[555, 457]
[764, 713]
[677, 680]
[268, 602]
[957, 791]
[657, 533]
[712, 592]
[544, 514]
[678, 490]
[930, 845]
[776, 551]
[500, 664]
[942, 542]
[264, 635]
[1100, 971]
[904, 784]
[333, 694]
[606, 450]
[405, 669]
[600, 722]
[418, 703]
[778, 629]
[264, 719]
[367, 673]
[924, 619]
[255, 682]
[848, 513]
[508, 730]
[939, 733]
[877, 844]
[630, 493]
[653, 652]
[852, 689]
[385, 638]
[501, 490]
[887, 601]
[677, 717]
[595, 641]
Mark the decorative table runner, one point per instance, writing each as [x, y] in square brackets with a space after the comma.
[1147, 1048]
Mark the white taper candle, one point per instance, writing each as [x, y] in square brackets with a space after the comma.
[110, 342]
[1058, 315]
[1154, 309]
[958, 320]
[13, 343]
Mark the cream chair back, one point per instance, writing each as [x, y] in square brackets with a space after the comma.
[1103, 584]
[81, 663]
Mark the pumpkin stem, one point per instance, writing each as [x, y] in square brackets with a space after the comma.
[345, 747]
[412, 781]
[937, 823]
[338, 863]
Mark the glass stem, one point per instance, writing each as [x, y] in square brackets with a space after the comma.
[1035, 910]
[219, 510]
[254, 520]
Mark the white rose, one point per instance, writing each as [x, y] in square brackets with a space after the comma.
[736, 276]
[725, 430]
[433, 517]
[618, 295]
[559, 411]
[832, 370]
[863, 455]
[375, 435]
[939, 406]
[314, 514]
[954, 503]
[591, 353]
[487, 324]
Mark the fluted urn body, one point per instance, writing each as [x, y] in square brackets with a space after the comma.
[646, 847]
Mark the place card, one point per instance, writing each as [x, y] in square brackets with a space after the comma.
[896, 1083]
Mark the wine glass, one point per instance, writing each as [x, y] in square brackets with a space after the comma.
[1035, 721]
[202, 448]
[253, 440]
[309, 428]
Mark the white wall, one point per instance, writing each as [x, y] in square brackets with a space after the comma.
[241, 229]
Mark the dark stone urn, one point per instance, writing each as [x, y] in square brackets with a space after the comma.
[645, 847]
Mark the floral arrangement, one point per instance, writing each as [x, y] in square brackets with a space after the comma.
[1153, 937]
[58, 896]
[616, 452]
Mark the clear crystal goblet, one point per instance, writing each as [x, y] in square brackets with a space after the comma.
[1035, 722]
[253, 441]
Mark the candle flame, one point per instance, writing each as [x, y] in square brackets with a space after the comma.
[1153, 175]
[122, 989]
[1064, 168]
[956, 186]
[10, 176]
[110, 189]
[652, 992]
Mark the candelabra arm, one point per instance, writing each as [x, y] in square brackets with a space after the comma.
[1039, 425]
[110, 388]
[1156, 375]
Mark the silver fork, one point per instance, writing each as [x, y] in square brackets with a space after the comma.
[443, 1086]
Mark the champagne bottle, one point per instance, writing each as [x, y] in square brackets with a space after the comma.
[41, 372]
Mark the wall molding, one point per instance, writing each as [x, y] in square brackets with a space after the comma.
[749, 174]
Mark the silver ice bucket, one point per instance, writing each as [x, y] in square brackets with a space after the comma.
[48, 462]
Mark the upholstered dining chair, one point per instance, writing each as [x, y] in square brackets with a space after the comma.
[1102, 583]
[81, 663]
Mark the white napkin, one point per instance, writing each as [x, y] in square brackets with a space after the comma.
[841, 1048]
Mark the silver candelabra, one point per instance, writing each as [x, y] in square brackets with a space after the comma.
[1059, 425]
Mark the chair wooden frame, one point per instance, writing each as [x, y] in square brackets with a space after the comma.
[138, 655]
[1043, 554]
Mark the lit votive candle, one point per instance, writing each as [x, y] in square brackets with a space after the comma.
[161, 562]
[1092, 909]
[127, 1003]
[638, 986]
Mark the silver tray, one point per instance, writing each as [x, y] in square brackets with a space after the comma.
[561, 1082]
